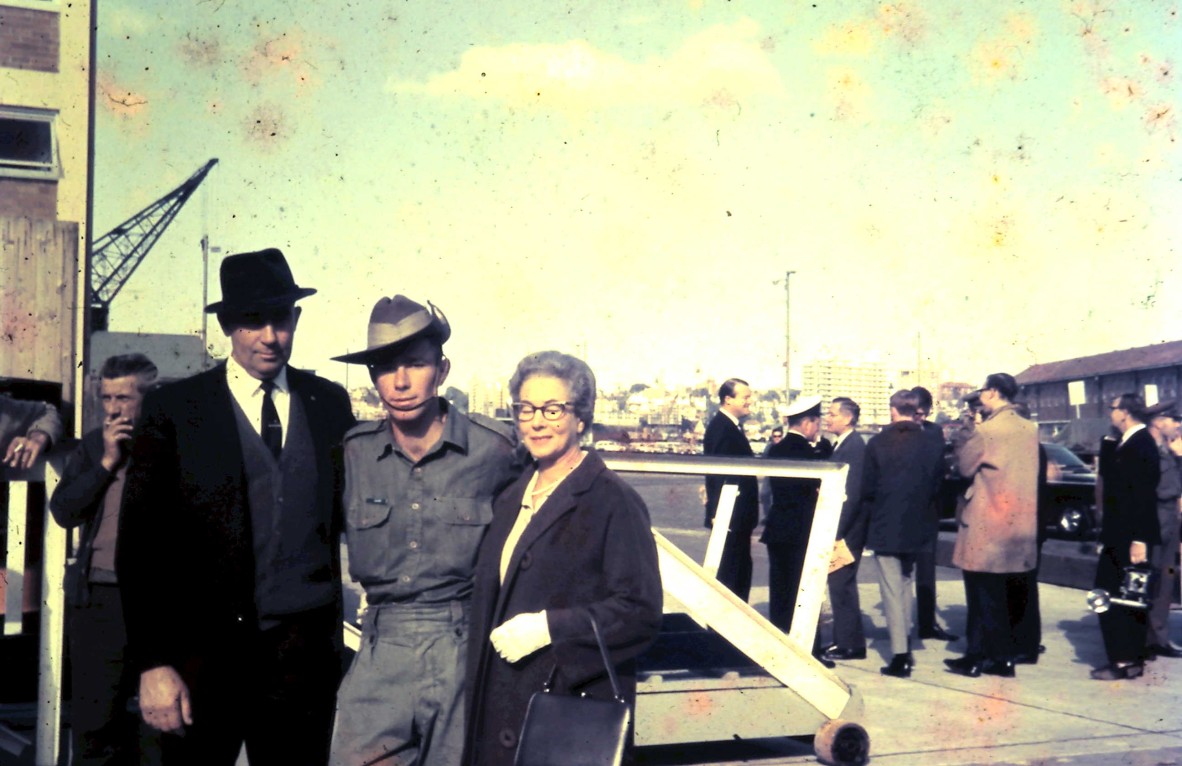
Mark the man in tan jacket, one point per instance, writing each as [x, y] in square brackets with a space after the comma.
[996, 542]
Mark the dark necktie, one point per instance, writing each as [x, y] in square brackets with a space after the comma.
[272, 429]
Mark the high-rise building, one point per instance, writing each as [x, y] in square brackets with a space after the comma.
[864, 382]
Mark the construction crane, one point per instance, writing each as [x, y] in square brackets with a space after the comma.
[116, 255]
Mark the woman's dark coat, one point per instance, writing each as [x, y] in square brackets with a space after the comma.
[589, 550]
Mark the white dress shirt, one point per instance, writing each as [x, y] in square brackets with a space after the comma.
[248, 392]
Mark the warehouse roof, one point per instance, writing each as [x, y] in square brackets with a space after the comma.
[1144, 358]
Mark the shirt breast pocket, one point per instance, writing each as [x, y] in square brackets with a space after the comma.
[367, 537]
[465, 521]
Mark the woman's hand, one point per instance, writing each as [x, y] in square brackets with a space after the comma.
[521, 636]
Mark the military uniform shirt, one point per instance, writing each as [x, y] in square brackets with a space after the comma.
[413, 529]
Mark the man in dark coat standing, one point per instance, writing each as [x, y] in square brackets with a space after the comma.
[849, 641]
[725, 438]
[901, 474]
[925, 560]
[104, 730]
[790, 520]
[228, 548]
[1130, 529]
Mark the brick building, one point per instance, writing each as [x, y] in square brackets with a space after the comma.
[1070, 398]
[46, 66]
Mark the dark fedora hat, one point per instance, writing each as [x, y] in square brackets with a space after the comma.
[393, 324]
[256, 281]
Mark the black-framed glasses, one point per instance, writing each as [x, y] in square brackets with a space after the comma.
[524, 411]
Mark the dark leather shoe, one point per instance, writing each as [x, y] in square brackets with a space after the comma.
[958, 664]
[1003, 668]
[939, 634]
[900, 666]
[1118, 672]
[1023, 658]
[819, 656]
[838, 654]
[1169, 650]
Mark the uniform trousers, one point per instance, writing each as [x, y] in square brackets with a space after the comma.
[896, 583]
[785, 565]
[1162, 559]
[847, 610]
[272, 690]
[402, 701]
[1123, 629]
[104, 730]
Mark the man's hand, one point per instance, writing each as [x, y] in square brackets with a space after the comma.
[116, 434]
[23, 451]
[164, 700]
[1138, 552]
[1175, 445]
[521, 636]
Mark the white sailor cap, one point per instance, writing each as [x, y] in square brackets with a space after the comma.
[804, 405]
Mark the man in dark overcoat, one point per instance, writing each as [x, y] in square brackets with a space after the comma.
[900, 475]
[228, 547]
[725, 438]
[1129, 476]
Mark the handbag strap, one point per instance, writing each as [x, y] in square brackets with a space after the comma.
[607, 662]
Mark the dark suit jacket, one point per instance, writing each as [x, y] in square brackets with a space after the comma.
[851, 526]
[1130, 492]
[725, 439]
[790, 519]
[589, 550]
[902, 472]
[185, 557]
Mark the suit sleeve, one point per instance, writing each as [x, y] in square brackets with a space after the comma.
[82, 488]
[851, 510]
[146, 553]
[1144, 471]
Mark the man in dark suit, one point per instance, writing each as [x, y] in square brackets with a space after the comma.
[790, 520]
[1130, 475]
[849, 641]
[228, 553]
[725, 438]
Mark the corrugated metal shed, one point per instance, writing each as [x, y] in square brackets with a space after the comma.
[1152, 357]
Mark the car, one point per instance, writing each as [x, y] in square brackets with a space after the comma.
[1068, 506]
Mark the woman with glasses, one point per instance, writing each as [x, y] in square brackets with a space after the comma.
[568, 540]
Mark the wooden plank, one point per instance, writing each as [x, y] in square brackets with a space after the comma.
[14, 558]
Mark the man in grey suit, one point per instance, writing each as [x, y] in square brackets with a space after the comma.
[849, 641]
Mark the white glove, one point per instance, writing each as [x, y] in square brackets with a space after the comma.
[521, 636]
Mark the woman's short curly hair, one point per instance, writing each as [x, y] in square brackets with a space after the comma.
[570, 370]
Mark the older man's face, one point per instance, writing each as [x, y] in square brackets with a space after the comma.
[261, 341]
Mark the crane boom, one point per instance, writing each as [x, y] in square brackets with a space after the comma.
[116, 255]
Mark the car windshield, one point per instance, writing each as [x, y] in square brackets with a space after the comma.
[1065, 459]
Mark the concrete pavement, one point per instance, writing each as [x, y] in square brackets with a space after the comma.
[1052, 713]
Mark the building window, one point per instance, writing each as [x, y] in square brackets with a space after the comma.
[28, 144]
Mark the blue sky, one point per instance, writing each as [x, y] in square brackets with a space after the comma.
[631, 178]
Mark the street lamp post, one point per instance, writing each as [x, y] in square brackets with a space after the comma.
[788, 336]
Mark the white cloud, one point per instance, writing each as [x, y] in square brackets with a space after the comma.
[720, 66]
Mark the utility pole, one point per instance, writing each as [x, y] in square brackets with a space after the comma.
[787, 337]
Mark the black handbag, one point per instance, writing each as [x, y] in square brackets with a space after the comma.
[564, 730]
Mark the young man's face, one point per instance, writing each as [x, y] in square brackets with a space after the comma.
[409, 383]
[261, 341]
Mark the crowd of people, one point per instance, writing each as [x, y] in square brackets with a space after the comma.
[890, 516]
[205, 600]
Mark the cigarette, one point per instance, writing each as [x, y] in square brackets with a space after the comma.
[19, 447]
